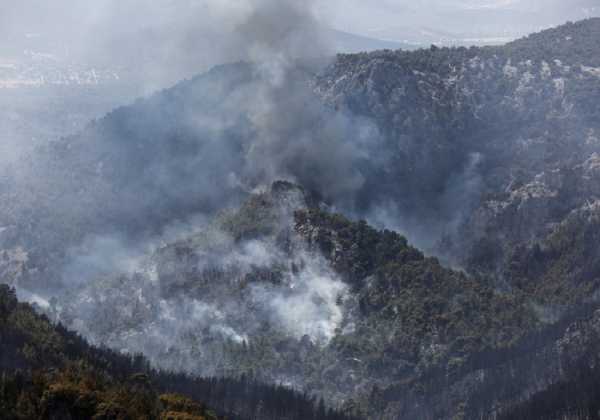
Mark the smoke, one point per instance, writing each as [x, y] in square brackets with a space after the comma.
[202, 146]
[97, 208]
[199, 147]
[100, 256]
[461, 194]
[311, 303]
[233, 294]
[68, 62]
[163, 41]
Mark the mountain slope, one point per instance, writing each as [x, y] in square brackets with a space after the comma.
[49, 372]
[286, 291]
[486, 157]
[488, 144]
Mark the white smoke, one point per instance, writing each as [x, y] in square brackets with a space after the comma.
[311, 307]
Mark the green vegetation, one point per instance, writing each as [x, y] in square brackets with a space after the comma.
[80, 392]
[411, 297]
[51, 373]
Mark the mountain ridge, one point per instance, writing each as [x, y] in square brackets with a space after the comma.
[486, 157]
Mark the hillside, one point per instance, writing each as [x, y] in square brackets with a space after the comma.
[496, 145]
[286, 291]
[51, 373]
[429, 254]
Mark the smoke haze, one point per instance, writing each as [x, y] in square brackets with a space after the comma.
[94, 210]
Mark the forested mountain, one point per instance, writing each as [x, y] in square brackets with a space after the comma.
[163, 228]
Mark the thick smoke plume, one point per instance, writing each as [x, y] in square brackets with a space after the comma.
[140, 308]
[94, 210]
[201, 146]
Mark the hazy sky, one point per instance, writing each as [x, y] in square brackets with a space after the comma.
[396, 18]
[372, 17]
[187, 36]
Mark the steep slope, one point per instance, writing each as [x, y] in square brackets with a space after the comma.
[286, 291]
[186, 152]
[491, 146]
[51, 373]
[576, 395]
[487, 157]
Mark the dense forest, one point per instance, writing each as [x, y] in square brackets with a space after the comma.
[51, 373]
